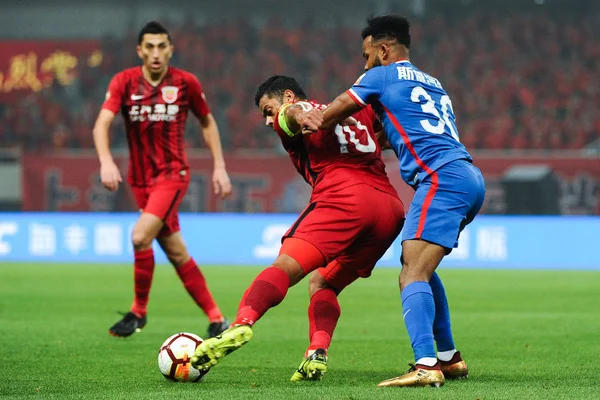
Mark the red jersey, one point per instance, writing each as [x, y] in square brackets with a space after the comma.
[335, 159]
[155, 120]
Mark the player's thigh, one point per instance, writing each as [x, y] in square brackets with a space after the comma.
[359, 259]
[140, 194]
[443, 205]
[297, 258]
[331, 224]
[420, 259]
[145, 230]
[163, 202]
[336, 276]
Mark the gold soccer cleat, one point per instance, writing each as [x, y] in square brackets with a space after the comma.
[416, 376]
[456, 368]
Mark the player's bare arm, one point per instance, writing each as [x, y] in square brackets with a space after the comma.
[380, 136]
[291, 112]
[338, 112]
[109, 172]
[382, 140]
[220, 179]
[339, 109]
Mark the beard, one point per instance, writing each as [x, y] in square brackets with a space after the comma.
[377, 61]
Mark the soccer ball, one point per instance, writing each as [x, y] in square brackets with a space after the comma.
[174, 358]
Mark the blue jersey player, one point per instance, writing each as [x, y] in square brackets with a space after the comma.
[420, 127]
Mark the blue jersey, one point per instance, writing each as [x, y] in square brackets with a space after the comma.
[417, 117]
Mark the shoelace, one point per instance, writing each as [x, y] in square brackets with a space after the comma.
[129, 314]
[313, 356]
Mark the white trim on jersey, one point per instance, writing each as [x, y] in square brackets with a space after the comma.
[356, 97]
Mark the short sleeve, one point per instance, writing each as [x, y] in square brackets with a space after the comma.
[114, 94]
[368, 87]
[198, 103]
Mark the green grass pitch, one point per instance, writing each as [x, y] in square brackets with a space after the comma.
[525, 335]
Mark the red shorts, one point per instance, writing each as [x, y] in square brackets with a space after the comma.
[352, 228]
[162, 200]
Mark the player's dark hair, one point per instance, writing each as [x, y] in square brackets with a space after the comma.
[388, 27]
[276, 86]
[153, 28]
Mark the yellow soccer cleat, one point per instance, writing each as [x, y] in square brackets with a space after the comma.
[211, 351]
[417, 375]
[312, 367]
[456, 368]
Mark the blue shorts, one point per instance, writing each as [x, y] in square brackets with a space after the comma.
[444, 203]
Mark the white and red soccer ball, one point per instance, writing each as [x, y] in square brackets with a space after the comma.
[174, 358]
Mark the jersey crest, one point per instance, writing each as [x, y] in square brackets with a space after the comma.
[169, 94]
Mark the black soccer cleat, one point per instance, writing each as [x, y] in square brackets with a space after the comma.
[128, 325]
[216, 328]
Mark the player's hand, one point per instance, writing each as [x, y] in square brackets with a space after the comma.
[310, 121]
[221, 182]
[110, 176]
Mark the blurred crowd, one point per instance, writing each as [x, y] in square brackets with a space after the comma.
[524, 81]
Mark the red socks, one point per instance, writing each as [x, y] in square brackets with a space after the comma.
[142, 277]
[268, 289]
[190, 275]
[323, 314]
[195, 284]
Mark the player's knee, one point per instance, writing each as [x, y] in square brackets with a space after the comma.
[405, 280]
[409, 274]
[291, 267]
[140, 239]
[316, 283]
[415, 271]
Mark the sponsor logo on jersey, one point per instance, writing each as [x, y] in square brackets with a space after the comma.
[169, 94]
[155, 113]
[359, 79]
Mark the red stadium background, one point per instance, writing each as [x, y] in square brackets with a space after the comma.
[268, 183]
[31, 65]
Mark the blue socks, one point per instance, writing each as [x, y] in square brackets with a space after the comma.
[418, 312]
[442, 331]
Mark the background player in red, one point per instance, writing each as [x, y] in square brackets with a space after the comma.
[154, 100]
[353, 217]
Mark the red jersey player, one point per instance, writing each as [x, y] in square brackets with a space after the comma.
[154, 100]
[353, 216]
